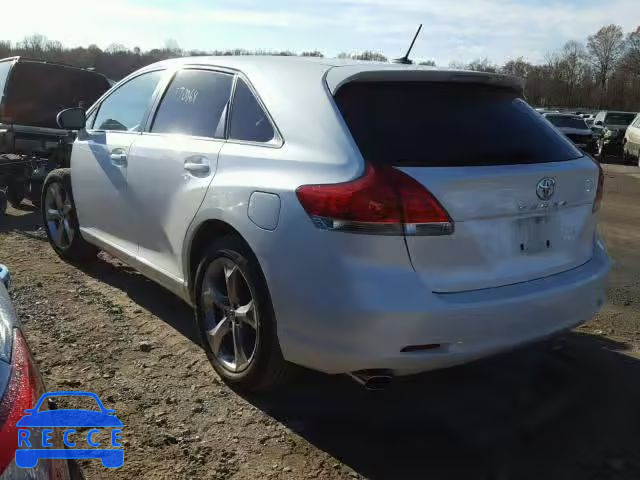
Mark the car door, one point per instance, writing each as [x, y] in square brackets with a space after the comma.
[100, 163]
[172, 164]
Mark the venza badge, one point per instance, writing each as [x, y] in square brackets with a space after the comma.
[546, 188]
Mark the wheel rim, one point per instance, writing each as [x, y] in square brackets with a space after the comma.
[230, 316]
[58, 211]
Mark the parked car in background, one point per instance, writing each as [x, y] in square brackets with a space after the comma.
[575, 129]
[331, 237]
[20, 388]
[631, 143]
[612, 126]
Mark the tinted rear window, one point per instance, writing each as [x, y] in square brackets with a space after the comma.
[567, 122]
[617, 118]
[36, 92]
[5, 67]
[447, 124]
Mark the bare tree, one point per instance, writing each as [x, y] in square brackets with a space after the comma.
[631, 60]
[482, 65]
[370, 56]
[172, 46]
[518, 68]
[606, 47]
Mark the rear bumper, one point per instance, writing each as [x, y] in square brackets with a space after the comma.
[354, 336]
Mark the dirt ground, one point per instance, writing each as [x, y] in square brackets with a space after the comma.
[568, 408]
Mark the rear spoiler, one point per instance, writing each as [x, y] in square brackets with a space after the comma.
[336, 77]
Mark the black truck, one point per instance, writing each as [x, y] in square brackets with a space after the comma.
[32, 93]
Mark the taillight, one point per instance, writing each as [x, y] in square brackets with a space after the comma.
[599, 190]
[383, 201]
[22, 392]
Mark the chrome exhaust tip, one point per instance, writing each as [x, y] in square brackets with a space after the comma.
[373, 380]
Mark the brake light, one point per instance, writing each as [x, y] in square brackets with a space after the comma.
[383, 201]
[22, 392]
[600, 188]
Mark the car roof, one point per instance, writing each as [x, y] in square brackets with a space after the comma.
[340, 71]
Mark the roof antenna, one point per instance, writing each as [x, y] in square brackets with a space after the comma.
[405, 60]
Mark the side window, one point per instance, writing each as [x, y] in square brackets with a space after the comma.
[248, 122]
[195, 104]
[125, 108]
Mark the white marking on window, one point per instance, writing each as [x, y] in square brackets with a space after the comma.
[187, 95]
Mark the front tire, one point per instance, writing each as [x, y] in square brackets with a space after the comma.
[235, 318]
[60, 220]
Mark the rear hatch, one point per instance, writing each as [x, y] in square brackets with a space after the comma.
[34, 92]
[519, 193]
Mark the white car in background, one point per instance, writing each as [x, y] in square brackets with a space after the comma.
[314, 215]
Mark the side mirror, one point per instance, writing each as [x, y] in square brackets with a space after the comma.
[72, 119]
[599, 123]
[5, 276]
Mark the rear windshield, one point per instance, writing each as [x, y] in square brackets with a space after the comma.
[4, 71]
[567, 122]
[447, 124]
[615, 118]
[36, 92]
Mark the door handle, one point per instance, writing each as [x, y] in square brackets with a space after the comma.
[118, 158]
[197, 165]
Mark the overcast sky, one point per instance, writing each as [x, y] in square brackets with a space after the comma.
[453, 30]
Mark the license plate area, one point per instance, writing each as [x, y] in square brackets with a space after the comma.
[533, 234]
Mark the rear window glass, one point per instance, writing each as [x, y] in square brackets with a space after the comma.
[615, 118]
[447, 124]
[36, 92]
[5, 67]
[567, 122]
[195, 104]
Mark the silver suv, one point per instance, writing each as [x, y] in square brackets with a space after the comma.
[330, 214]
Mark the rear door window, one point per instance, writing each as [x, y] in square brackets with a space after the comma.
[195, 103]
[447, 124]
[249, 122]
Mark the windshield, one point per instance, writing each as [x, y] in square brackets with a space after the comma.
[619, 118]
[567, 122]
[448, 124]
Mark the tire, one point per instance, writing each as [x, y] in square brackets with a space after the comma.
[16, 193]
[63, 230]
[266, 367]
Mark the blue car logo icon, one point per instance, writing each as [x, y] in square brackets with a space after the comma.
[29, 451]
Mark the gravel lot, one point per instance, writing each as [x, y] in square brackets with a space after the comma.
[565, 409]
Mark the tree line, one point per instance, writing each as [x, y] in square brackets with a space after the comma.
[601, 72]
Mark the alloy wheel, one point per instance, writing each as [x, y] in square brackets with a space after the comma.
[230, 316]
[58, 210]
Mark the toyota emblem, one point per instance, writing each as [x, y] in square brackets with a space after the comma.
[546, 188]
